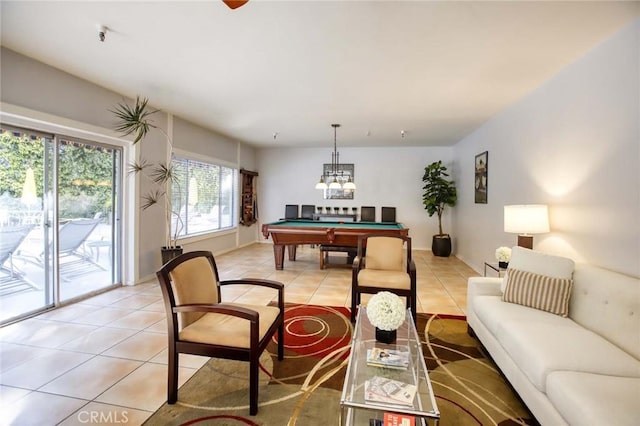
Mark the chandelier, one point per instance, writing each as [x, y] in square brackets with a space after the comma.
[334, 179]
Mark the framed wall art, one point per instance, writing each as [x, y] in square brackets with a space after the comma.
[481, 181]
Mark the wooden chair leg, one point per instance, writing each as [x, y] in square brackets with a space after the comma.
[354, 303]
[281, 342]
[414, 303]
[172, 383]
[253, 385]
[353, 306]
[414, 312]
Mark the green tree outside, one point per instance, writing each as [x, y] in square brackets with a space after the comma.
[85, 174]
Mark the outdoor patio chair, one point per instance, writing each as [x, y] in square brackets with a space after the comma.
[72, 237]
[10, 239]
[73, 234]
[73, 254]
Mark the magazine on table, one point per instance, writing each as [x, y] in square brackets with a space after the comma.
[395, 419]
[382, 389]
[389, 358]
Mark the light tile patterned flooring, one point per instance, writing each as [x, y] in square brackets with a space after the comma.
[103, 360]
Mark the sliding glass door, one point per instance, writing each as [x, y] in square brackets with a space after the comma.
[59, 220]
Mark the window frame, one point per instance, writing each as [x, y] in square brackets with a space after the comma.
[185, 156]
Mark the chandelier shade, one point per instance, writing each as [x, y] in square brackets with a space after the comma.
[349, 184]
[321, 184]
[335, 184]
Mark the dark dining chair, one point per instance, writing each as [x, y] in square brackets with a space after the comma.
[199, 323]
[367, 214]
[388, 214]
[307, 211]
[291, 211]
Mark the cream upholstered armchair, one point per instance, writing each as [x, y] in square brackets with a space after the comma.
[381, 265]
[200, 324]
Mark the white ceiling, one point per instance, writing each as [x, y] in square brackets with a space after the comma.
[436, 70]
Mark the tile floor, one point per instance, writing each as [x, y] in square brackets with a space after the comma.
[103, 360]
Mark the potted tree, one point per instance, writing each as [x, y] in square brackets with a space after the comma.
[438, 193]
[136, 120]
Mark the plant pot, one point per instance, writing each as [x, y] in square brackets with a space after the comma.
[386, 336]
[503, 265]
[169, 253]
[441, 245]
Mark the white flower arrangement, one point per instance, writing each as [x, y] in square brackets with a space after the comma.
[503, 254]
[386, 311]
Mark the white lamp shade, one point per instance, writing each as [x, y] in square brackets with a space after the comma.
[335, 184]
[321, 184]
[526, 219]
[349, 185]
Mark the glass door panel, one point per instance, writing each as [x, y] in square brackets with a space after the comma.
[25, 275]
[87, 218]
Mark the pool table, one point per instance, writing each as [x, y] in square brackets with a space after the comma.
[290, 233]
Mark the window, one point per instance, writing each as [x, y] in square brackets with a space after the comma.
[204, 197]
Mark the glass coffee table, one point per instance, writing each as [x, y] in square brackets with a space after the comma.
[355, 409]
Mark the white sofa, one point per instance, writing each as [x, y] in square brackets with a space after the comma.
[583, 369]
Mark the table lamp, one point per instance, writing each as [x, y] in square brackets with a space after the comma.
[524, 220]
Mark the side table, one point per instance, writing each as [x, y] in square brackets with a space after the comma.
[97, 244]
[495, 267]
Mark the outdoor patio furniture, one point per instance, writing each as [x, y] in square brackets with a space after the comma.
[74, 256]
[72, 237]
[13, 280]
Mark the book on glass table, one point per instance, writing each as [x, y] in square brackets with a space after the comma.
[388, 358]
[395, 419]
[382, 389]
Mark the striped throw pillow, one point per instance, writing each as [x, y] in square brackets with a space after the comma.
[538, 291]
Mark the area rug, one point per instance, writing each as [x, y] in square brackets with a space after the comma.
[305, 387]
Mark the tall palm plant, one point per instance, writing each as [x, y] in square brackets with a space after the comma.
[136, 120]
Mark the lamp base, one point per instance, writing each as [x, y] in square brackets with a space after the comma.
[525, 241]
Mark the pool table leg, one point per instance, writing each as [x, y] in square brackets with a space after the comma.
[292, 251]
[278, 256]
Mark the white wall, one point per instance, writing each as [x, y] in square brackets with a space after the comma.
[384, 177]
[573, 144]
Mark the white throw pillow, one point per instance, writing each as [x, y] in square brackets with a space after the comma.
[539, 263]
